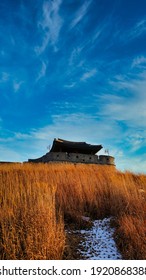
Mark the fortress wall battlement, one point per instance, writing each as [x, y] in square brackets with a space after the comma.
[75, 158]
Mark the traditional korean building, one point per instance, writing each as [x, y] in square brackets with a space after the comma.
[76, 152]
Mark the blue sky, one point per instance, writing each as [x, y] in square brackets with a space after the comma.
[76, 70]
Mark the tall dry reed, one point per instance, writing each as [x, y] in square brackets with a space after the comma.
[29, 228]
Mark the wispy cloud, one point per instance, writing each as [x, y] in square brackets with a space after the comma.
[80, 13]
[139, 28]
[74, 55]
[22, 136]
[68, 126]
[50, 25]
[8, 78]
[87, 75]
[139, 61]
[101, 30]
[17, 85]
[135, 164]
[134, 32]
[136, 139]
[119, 107]
[4, 77]
[42, 71]
[71, 85]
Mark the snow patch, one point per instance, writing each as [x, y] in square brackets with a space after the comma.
[98, 242]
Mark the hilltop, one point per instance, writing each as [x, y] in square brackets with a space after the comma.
[40, 201]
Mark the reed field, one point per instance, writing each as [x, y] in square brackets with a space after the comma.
[38, 201]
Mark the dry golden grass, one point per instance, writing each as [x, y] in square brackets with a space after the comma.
[29, 226]
[37, 199]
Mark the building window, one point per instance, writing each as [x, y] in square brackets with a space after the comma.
[89, 157]
[57, 155]
[77, 156]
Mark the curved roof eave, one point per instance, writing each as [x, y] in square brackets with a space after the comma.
[60, 145]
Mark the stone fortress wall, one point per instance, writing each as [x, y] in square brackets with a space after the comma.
[75, 158]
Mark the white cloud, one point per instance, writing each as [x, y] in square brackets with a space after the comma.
[21, 136]
[80, 13]
[131, 110]
[78, 127]
[74, 55]
[4, 77]
[136, 31]
[127, 101]
[97, 35]
[139, 61]
[135, 164]
[71, 85]
[42, 71]
[50, 24]
[17, 85]
[101, 30]
[126, 106]
[87, 75]
[139, 28]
